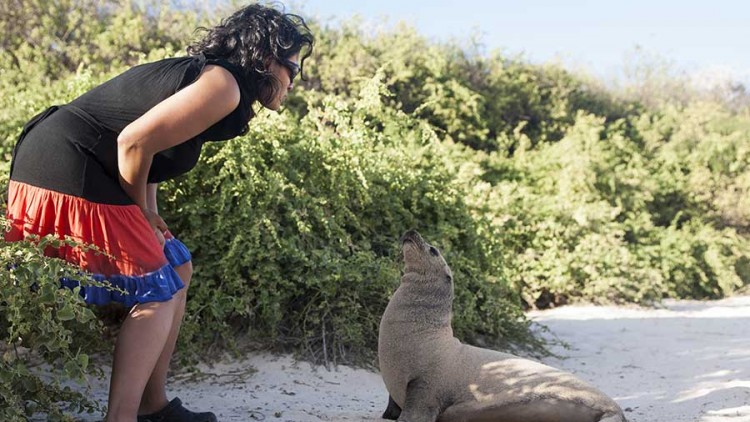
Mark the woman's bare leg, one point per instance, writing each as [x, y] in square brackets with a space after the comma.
[155, 394]
[139, 345]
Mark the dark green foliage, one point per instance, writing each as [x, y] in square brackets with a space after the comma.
[300, 223]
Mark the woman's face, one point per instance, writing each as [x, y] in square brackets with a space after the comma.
[285, 71]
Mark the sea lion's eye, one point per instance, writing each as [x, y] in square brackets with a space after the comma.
[433, 251]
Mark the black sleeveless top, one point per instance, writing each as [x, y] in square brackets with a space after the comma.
[121, 100]
[74, 144]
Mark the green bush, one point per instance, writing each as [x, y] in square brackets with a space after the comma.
[294, 230]
[598, 217]
[475, 100]
[47, 334]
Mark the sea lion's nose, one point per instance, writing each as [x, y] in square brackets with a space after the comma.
[410, 236]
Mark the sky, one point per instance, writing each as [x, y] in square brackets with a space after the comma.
[709, 38]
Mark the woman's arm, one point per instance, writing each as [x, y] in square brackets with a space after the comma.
[173, 121]
[151, 189]
[152, 213]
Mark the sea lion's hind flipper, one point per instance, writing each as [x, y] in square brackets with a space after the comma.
[393, 411]
[619, 417]
[421, 404]
[548, 409]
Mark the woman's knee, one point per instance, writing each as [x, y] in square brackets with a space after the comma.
[185, 271]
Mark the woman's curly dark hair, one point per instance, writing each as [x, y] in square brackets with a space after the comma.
[250, 38]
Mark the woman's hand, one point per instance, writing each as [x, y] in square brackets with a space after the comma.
[157, 224]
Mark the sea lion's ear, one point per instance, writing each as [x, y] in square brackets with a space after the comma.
[433, 251]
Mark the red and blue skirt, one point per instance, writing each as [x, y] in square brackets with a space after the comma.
[59, 189]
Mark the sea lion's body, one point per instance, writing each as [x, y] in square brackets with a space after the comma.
[431, 376]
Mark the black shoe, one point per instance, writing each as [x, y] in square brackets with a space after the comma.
[174, 412]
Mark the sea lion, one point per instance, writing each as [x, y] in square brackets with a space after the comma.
[431, 376]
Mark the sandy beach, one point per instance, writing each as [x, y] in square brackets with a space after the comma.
[686, 361]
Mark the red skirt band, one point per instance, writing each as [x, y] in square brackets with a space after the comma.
[133, 259]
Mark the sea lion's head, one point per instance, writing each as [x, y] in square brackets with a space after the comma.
[423, 261]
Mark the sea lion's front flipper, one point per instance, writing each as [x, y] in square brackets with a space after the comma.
[393, 411]
[421, 404]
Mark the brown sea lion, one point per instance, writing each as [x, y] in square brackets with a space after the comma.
[431, 376]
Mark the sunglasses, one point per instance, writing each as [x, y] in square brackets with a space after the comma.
[293, 68]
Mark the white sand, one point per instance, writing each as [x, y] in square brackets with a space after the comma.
[686, 362]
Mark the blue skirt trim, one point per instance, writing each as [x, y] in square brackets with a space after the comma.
[177, 253]
[156, 286]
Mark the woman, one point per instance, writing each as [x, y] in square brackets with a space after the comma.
[89, 170]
